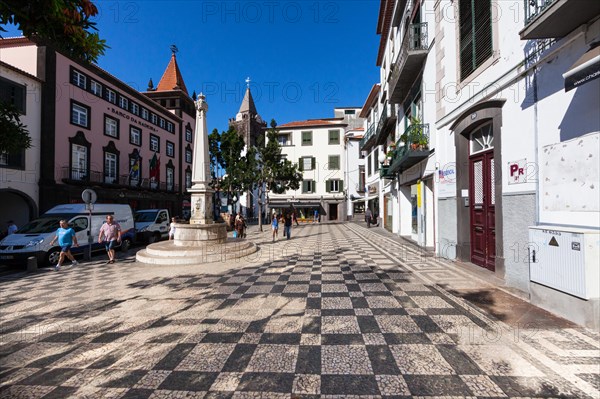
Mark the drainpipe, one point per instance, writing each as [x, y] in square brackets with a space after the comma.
[536, 146]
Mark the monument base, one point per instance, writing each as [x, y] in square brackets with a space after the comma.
[168, 254]
[199, 234]
[196, 244]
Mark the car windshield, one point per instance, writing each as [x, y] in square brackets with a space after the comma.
[145, 216]
[42, 225]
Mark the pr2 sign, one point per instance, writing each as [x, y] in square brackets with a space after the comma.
[521, 172]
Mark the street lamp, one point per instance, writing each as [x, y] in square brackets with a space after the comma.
[381, 157]
[234, 199]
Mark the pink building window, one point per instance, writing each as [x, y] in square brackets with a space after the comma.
[80, 114]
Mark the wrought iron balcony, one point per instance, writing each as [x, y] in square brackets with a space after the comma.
[411, 57]
[411, 148]
[556, 18]
[367, 137]
[385, 173]
[386, 123]
[93, 177]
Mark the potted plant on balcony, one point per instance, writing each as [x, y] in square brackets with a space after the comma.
[417, 136]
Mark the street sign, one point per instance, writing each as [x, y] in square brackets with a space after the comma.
[89, 196]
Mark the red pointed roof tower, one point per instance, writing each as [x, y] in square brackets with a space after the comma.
[171, 91]
[171, 79]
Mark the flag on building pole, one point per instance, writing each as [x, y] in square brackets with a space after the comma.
[155, 168]
[134, 171]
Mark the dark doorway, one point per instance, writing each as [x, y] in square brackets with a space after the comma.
[483, 209]
[333, 211]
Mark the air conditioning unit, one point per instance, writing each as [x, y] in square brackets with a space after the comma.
[565, 259]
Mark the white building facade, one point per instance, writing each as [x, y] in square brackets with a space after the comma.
[20, 172]
[482, 141]
[399, 143]
[318, 146]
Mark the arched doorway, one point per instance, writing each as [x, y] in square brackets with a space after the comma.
[479, 205]
[16, 206]
[482, 196]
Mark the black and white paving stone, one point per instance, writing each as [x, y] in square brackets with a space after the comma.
[335, 312]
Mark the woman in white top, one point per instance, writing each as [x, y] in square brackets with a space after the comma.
[172, 229]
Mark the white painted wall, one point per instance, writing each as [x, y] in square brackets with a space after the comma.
[320, 149]
[26, 181]
[352, 166]
[23, 57]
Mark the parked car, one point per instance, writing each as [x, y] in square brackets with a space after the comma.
[33, 239]
[152, 225]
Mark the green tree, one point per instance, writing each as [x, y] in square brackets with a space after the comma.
[227, 152]
[268, 171]
[214, 154]
[63, 24]
[15, 135]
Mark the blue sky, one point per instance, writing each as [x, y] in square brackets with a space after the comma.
[304, 57]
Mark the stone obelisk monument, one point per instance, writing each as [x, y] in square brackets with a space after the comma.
[202, 194]
[202, 227]
[202, 240]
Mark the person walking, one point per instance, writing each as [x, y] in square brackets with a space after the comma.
[295, 218]
[110, 233]
[12, 228]
[244, 226]
[66, 239]
[316, 215]
[172, 229]
[274, 227]
[287, 226]
[368, 217]
[239, 226]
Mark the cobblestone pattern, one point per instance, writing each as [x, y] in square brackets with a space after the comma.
[336, 312]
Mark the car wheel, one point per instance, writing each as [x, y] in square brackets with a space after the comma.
[53, 256]
[125, 244]
[154, 238]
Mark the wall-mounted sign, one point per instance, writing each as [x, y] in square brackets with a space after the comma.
[446, 176]
[373, 189]
[517, 172]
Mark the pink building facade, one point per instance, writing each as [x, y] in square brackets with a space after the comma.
[100, 133]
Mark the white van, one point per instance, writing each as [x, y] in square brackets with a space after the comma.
[34, 238]
[152, 225]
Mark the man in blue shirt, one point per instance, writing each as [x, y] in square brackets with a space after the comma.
[66, 237]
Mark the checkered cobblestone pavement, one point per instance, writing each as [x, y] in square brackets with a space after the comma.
[336, 312]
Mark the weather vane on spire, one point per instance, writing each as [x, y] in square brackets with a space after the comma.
[174, 49]
[248, 82]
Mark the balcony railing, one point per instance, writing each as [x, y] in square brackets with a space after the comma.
[84, 176]
[411, 148]
[368, 136]
[545, 19]
[406, 69]
[386, 122]
[535, 7]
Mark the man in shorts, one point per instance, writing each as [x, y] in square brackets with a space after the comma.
[66, 237]
[111, 233]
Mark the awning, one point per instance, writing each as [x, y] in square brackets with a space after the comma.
[365, 199]
[299, 204]
[586, 69]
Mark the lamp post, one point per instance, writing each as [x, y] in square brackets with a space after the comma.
[381, 157]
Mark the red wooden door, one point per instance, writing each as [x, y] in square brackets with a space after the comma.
[483, 210]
